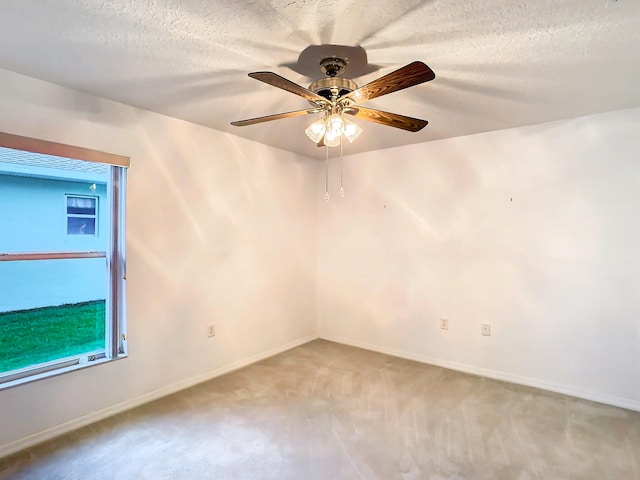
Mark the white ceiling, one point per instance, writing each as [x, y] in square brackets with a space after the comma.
[498, 63]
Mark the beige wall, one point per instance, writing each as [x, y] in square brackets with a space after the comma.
[219, 229]
[535, 230]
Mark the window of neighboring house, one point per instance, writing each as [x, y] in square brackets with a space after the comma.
[62, 294]
[82, 215]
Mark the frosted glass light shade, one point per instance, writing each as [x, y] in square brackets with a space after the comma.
[335, 127]
[351, 130]
[335, 124]
[316, 130]
[332, 140]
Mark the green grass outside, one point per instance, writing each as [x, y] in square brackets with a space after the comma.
[39, 335]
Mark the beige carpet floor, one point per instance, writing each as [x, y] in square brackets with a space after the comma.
[328, 411]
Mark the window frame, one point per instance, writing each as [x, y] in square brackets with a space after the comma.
[115, 311]
[93, 216]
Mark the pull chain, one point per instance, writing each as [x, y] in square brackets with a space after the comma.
[341, 171]
[326, 175]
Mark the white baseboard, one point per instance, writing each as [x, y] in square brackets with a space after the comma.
[626, 403]
[39, 437]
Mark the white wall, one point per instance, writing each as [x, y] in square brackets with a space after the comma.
[535, 230]
[219, 229]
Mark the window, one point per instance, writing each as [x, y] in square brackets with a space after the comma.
[81, 215]
[63, 288]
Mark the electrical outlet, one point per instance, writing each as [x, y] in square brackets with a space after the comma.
[486, 329]
[444, 323]
[211, 330]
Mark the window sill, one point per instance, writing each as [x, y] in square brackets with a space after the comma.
[78, 364]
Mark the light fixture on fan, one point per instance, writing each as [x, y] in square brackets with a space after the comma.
[331, 129]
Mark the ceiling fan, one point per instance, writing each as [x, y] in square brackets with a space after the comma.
[335, 96]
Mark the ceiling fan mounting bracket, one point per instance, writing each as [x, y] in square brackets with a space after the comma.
[332, 66]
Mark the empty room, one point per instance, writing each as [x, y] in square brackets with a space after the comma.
[281, 239]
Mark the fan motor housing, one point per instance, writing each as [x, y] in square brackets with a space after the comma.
[333, 87]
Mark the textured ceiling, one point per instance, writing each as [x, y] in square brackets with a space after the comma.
[498, 63]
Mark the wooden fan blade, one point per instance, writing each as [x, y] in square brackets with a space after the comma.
[277, 116]
[386, 118]
[281, 82]
[413, 74]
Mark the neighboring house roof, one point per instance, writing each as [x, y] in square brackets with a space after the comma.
[20, 162]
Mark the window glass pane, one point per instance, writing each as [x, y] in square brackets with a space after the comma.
[81, 205]
[81, 226]
[66, 317]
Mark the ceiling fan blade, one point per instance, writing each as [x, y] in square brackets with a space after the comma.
[281, 82]
[413, 74]
[277, 116]
[386, 118]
